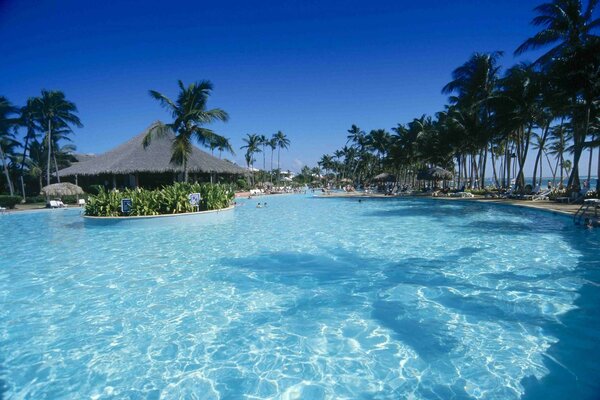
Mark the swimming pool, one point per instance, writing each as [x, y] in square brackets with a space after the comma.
[307, 298]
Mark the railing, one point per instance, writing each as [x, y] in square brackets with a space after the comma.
[589, 209]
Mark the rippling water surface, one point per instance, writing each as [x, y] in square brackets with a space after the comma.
[307, 298]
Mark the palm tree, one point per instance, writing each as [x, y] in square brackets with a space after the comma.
[55, 112]
[282, 143]
[223, 144]
[565, 24]
[272, 143]
[8, 122]
[189, 114]
[474, 84]
[519, 110]
[574, 60]
[252, 147]
[29, 117]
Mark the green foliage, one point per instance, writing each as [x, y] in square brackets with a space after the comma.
[242, 184]
[171, 199]
[35, 199]
[9, 201]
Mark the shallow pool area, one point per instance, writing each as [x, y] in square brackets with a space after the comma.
[307, 298]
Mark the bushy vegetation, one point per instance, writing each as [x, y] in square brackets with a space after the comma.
[171, 199]
[9, 201]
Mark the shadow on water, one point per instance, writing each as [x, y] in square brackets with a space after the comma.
[419, 209]
[573, 361]
[3, 386]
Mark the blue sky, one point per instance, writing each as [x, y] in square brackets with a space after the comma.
[308, 68]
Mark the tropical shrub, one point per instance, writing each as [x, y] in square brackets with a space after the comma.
[9, 201]
[172, 199]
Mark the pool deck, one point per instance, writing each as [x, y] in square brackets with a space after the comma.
[545, 205]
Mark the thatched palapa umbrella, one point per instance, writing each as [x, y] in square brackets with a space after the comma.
[62, 189]
[434, 174]
[440, 174]
[384, 177]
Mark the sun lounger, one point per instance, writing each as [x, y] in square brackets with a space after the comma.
[462, 195]
[541, 195]
[56, 204]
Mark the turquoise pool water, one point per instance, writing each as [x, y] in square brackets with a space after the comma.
[307, 298]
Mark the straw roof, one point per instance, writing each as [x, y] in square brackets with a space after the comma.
[131, 157]
[62, 189]
[384, 177]
[434, 174]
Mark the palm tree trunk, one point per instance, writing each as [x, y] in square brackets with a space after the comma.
[589, 177]
[56, 167]
[522, 155]
[23, 162]
[185, 170]
[553, 170]
[494, 169]
[598, 176]
[271, 164]
[49, 143]
[578, 149]
[5, 167]
[278, 167]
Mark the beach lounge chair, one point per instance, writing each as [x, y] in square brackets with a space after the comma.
[534, 192]
[56, 204]
[543, 195]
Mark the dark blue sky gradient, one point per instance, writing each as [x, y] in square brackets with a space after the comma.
[308, 68]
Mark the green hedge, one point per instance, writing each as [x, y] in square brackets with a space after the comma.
[9, 201]
[171, 199]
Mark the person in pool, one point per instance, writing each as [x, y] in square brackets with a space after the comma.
[258, 205]
[265, 204]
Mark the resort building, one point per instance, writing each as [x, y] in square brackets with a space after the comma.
[132, 165]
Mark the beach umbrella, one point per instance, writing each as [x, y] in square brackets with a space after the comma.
[434, 174]
[384, 177]
[439, 174]
[62, 189]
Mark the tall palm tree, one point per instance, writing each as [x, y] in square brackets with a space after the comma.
[566, 25]
[29, 118]
[520, 110]
[223, 144]
[55, 112]
[8, 122]
[272, 143]
[189, 114]
[252, 147]
[474, 84]
[574, 59]
[282, 142]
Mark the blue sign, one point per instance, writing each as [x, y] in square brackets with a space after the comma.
[126, 205]
[194, 199]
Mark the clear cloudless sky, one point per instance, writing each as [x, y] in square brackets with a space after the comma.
[309, 68]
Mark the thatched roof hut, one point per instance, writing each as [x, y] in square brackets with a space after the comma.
[62, 189]
[131, 157]
[384, 177]
[434, 174]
